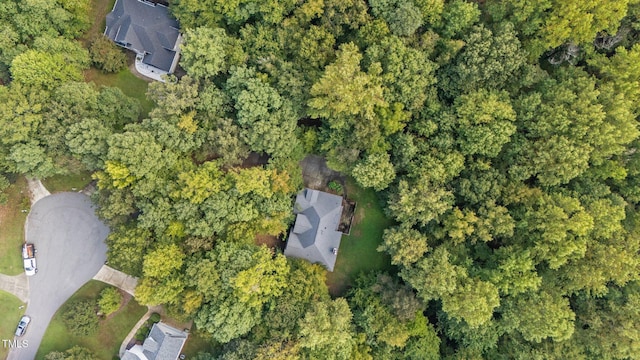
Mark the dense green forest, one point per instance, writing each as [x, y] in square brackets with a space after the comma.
[501, 136]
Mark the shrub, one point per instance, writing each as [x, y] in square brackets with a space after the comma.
[335, 186]
[4, 184]
[75, 353]
[154, 318]
[80, 317]
[310, 141]
[79, 353]
[106, 55]
[55, 355]
[142, 333]
[110, 299]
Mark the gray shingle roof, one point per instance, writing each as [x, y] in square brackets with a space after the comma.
[163, 343]
[147, 29]
[129, 356]
[315, 235]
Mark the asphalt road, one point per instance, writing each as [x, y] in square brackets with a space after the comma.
[71, 249]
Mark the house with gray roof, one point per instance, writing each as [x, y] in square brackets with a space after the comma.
[163, 343]
[148, 29]
[315, 236]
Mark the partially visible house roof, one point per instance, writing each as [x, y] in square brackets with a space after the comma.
[146, 28]
[163, 343]
[315, 235]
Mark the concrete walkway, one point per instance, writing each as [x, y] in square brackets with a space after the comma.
[149, 71]
[132, 333]
[89, 189]
[16, 285]
[117, 278]
[37, 191]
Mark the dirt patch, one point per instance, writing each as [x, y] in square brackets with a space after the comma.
[346, 219]
[270, 241]
[338, 286]
[255, 159]
[357, 218]
[179, 72]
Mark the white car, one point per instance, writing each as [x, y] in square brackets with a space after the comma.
[22, 325]
[29, 259]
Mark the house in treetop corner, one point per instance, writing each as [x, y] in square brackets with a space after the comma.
[163, 343]
[148, 29]
[315, 236]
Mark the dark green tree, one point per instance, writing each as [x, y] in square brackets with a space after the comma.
[80, 317]
[106, 55]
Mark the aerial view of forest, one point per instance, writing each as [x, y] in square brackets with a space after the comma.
[489, 147]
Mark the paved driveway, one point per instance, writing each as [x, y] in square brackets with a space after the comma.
[71, 249]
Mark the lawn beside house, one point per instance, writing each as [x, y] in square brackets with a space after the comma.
[127, 82]
[198, 342]
[10, 313]
[12, 224]
[358, 251]
[111, 332]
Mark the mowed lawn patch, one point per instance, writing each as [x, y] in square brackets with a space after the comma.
[198, 342]
[105, 343]
[68, 182]
[127, 82]
[12, 220]
[10, 313]
[358, 251]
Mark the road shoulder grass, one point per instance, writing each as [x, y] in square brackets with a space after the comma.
[10, 313]
[105, 343]
[12, 220]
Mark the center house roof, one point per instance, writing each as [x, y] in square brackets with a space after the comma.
[163, 343]
[314, 235]
[147, 29]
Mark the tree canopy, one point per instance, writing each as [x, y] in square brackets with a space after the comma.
[500, 137]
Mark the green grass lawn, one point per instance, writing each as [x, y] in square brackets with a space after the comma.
[127, 82]
[67, 182]
[197, 343]
[12, 227]
[358, 251]
[10, 314]
[112, 331]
